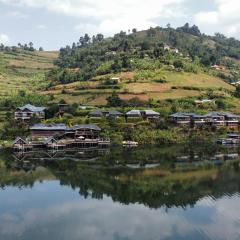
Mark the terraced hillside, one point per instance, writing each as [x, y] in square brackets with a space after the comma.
[156, 64]
[24, 70]
[175, 85]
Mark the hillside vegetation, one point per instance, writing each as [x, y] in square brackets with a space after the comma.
[158, 64]
[155, 65]
[24, 70]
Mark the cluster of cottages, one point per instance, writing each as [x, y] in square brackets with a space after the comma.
[218, 119]
[145, 114]
[88, 135]
[26, 112]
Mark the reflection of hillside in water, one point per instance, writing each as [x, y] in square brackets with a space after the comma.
[156, 177]
[137, 157]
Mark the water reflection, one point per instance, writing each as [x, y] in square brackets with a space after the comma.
[178, 192]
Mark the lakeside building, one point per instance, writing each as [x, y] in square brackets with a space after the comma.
[59, 136]
[88, 131]
[105, 113]
[84, 131]
[29, 111]
[212, 118]
[48, 130]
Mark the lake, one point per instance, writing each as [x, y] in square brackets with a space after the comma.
[175, 192]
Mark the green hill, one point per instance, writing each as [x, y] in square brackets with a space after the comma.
[24, 70]
[158, 64]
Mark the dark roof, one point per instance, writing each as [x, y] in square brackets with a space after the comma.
[86, 126]
[231, 115]
[114, 112]
[52, 126]
[210, 114]
[31, 108]
[222, 114]
[101, 113]
[96, 112]
[183, 114]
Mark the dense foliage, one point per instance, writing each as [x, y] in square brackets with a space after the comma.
[96, 55]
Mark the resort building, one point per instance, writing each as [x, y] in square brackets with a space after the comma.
[105, 113]
[145, 114]
[48, 130]
[84, 131]
[59, 136]
[183, 118]
[212, 118]
[29, 111]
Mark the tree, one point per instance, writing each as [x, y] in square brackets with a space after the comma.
[86, 38]
[114, 100]
[99, 37]
[168, 25]
[237, 92]
[178, 64]
[116, 66]
[40, 49]
[31, 48]
[134, 30]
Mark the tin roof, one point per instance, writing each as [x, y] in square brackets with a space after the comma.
[151, 112]
[103, 112]
[134, 112]
[184, 114]
[86, 126]
[31, 108]
[52, 126]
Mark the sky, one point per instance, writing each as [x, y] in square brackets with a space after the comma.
[55, 23]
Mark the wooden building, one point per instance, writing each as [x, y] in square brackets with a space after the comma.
[48, 130]
[20, 144]
[84, 131]
[218, 119]
[29, 111]
[105, 113]
[145, 114]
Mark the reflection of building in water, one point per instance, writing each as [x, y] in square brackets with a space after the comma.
[196, 158]
[58, 155]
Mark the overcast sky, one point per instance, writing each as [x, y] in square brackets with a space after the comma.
[55, 23]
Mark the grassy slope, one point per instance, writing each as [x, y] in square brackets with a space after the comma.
[142, 88]
[24, 70]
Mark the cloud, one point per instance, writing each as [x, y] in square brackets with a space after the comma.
[16, 14]
[4, 38]
[225, 18]
[108, 16]
[83, 219]
[41, 27]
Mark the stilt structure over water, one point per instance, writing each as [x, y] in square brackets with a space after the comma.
[59, 136]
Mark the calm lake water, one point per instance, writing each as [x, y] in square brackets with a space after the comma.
[178, 192]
